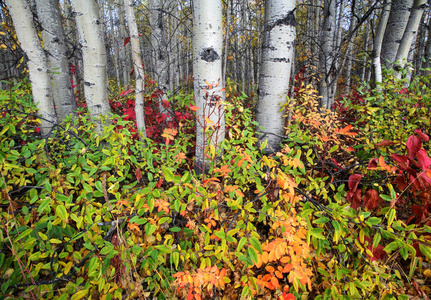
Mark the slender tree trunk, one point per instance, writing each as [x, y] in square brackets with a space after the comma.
[114, 44]
[378, 41]
[409, 35]
[326, 53]
[125, 49]
[278, 51]
[208, 84]
[398, 18]
[137, 65]
[54, 42]
[94, 57]
[37, 62]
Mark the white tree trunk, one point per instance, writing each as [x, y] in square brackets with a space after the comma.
[207, 73]
[125, 49]
[158, 41]
[55, 44]
[378, 40]
[94, 56]
[398, 18]
[327, 52]
[37, 62]
[277, 57]
[137, 65]
[409, 35]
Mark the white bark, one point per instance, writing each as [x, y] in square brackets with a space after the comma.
[158, 41]
[409, 35]
[378, 40]
[55, 44]
[94, 56]
[207, 73]
[327, 52]
[277, 57]
[37, 62]
[137, 65]
[398, 18]
[124, 50]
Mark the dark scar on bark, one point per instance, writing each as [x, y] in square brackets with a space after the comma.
[288, 20]
[209, 55]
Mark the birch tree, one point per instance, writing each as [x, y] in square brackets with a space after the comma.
[49, 17]
[207, 73]
[327, 52]
[94, 56]
[137, 65]
[378, 40]
[409, 35]
[37, 62]
[398, 18]
[160, 53]
[277, 59]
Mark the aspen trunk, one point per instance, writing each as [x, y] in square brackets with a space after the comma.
[207, 73]
[37, 62]
[94, 56]
[277, 57]
[137, 65]
[54, 42]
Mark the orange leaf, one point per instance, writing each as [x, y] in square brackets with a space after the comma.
[194, 108]
[274, 282]
[345, 129]
[270, 269]
[278, 274]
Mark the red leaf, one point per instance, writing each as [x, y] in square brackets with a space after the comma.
[372, 164]
[420, 212]
[423, 159]
[354, 181]
[126, 40]
[378, 253]
[401, 183]
[159, 183]
[385, 143]
[413, 145]
[371, 199]
[402, 161]
[131, 71]
[424, 136]
[138, 174]
[354, 199]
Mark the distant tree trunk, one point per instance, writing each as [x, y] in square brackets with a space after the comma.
[137, 65]
[113, 41]
[125, 49]
[37, 62]
[398, 18]
[207, 73]
[94, 56]
[278, 51]
[158, 41]
[409, 35]
[427, 53]
[378, 40]
[327, 52]
[54, 43]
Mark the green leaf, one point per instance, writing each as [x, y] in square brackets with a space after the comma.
[169, 176]
[256, 244]
[391, 247]
[176, 258]
[391, 216]
[425, 250]
[175, 229]
[252, 253]
[61, 212]
[241, 243]
[221, 234]
[376, 240]
[373, 221]
[99, 186]
[317, 232]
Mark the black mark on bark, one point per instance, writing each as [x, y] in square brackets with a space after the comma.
[209, 55]
[288, 20]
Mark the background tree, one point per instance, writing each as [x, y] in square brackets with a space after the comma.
[207, 78]
[55, 47]
[37, 62]
[137, 65]
[277, 61]
[94, 57]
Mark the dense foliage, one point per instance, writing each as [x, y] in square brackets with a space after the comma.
[341, 211]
